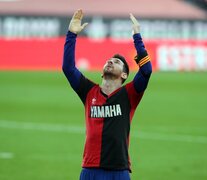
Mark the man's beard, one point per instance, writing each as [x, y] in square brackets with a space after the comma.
[109, 75]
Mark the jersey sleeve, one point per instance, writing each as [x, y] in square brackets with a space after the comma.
[71, 72]
[142, 77]
[80, 84]
[136, 88]
[133, 95]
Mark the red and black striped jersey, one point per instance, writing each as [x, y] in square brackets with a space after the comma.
[108, 121]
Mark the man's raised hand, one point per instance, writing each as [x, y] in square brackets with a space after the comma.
[135, 24]
[75, 23]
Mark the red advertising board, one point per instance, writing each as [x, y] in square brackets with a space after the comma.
[46, 54]
[182, 56]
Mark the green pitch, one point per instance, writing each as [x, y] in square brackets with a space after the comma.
[42, 128]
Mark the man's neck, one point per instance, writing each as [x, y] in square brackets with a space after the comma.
[108, 85]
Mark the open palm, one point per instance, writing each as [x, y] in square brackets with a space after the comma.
[75, 23]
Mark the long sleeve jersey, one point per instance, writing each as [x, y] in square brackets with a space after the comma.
[107, 117]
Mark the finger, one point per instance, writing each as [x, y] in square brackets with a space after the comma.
[133, 19]
[84, 25]
[77, 14]
[81, 14]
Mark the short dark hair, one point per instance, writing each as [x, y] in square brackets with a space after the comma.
[126, 66]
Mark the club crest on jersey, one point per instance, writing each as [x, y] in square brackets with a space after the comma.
[106, 111]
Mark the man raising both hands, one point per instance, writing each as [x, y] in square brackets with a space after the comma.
[109, 107]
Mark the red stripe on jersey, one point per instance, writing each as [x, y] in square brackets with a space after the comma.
[134, 98]
[94, 128]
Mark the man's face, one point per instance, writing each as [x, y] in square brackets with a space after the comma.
[113, 67]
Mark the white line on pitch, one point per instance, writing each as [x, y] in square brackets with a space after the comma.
[6, 155]
[41, 126]
[171, 137]
[81, 130]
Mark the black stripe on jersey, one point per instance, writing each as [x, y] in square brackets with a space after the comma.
[84, 87]
[114, 152]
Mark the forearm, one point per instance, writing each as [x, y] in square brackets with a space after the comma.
[145, 68]
[71, 72]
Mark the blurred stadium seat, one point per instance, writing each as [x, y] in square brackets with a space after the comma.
[148, 8]
[200, 3]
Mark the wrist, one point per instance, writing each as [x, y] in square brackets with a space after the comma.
[71, 34]
[137, 36]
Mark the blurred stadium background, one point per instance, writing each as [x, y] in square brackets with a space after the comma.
[41, 118]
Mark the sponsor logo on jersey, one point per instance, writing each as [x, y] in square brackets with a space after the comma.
[93, 100]
[106, 111]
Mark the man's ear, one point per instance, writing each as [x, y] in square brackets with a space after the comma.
[124, 75]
